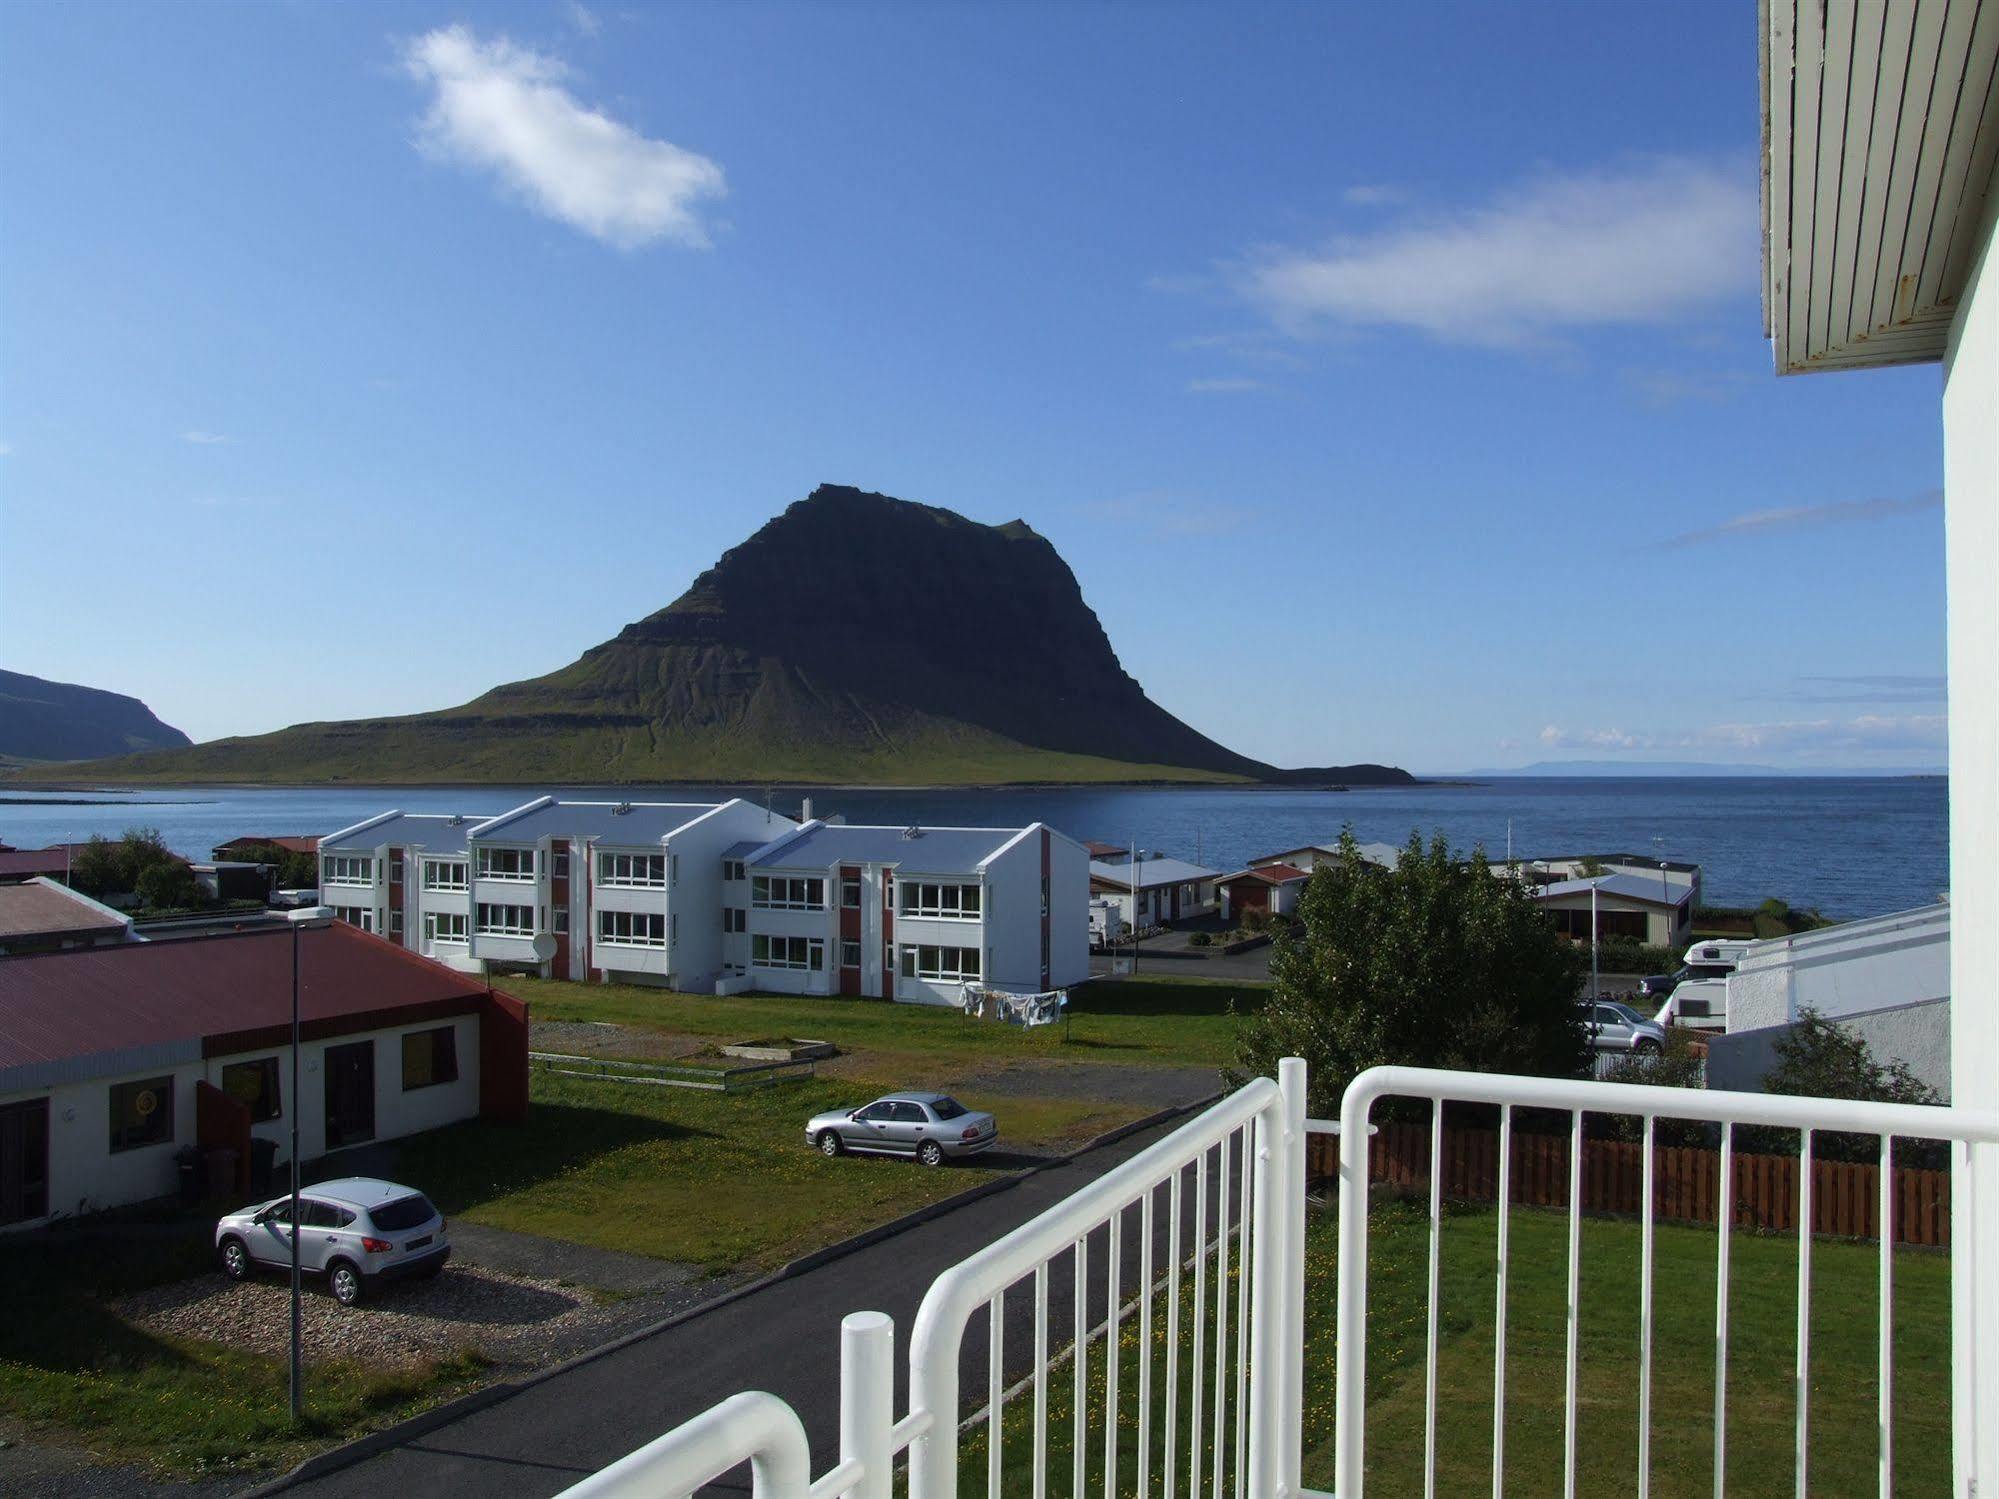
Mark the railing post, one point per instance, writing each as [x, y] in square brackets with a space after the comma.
[1350, 1379]
[1291, 1084]
[1271, 1393]
[867, 1400]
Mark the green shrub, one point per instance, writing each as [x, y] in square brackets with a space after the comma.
[1200, 939]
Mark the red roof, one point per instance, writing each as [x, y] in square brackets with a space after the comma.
[1270, 874]
[230, 992]
[32, 909]
[20, 863]
[296, 845]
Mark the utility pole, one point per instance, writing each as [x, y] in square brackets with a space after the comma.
[1595, 986]
[1131, 863]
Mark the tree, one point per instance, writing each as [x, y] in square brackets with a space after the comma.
[169, 885]
[1590, 867]
[95, 869]
[1435, 963]
[1819, 1058]
[294, 870]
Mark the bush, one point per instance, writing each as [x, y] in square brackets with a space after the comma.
[169, 886]
[1620, 955]
[1200, 939]
[1255, 919]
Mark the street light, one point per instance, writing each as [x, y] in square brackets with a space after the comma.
[298, 921]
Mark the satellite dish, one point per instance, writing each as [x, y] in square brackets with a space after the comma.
[544, 946]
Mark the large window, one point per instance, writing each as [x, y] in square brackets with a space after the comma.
[361, 916]
[347, 869]
[777, 893]
[732, 869]
[947, 964]
[255, 1086]
[629, 870]
[506, 863]
[1609, 924]
[806, 953]
[631, 928]
[430, 1058]
[142, 1113]
[444, 874]
[951, 902]
[444, 926]
[506, 921]
[735, 919]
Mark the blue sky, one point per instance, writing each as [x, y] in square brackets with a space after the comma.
[1391, 377]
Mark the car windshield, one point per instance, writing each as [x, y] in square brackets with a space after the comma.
[1628, 1013]
[946, 1108]
[404, 1212]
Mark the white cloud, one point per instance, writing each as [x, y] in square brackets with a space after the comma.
[1560, 252]
[1374, 195]
[503, 109]
[1801, 517]
[1869, 731]
[203, 439]
[583, 18]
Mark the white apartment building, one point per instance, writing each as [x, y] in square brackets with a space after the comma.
[558, 888]
[911, 914]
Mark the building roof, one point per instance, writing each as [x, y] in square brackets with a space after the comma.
[1285, 856]
[1152, 873]
[634, 823]
[92, 1011]
[434, 832]
[42, 908]
[20, 863]
[1624, 886]
[1638, 861]
[1099, 850]
[926, 850]
[290, 842]
[1269, 874]
[1881, 125]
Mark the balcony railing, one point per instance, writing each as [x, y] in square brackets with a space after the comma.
[1177, 1280]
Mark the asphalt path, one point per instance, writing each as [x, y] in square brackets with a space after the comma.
[784, 1338]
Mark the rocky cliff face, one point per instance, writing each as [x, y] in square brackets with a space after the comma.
[853, 638]
[43, 720]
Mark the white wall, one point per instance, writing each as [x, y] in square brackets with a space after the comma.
[1971, 531]
[696, 896]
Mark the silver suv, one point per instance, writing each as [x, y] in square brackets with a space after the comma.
[929, 1126]
[1618, 1027]
[357, 1231]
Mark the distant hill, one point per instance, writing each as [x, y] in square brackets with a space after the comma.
[1580, 769]
[854, 638]
[43, 720]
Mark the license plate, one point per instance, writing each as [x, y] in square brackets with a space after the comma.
[416, 1243]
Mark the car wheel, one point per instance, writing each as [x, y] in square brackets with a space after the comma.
[829, 1142]
[346, 1283]
[1647, 1047]
[930, 1153]
[236, 1260]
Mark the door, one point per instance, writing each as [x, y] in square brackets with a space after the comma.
[269, 1238]
[24, 1160]
[350, 1094]
[870, 1128]
[1613, 1031]
[322, 1221]
[906, 1122]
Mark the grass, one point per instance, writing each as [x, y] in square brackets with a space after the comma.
[1762, 1350]
[177, 1406]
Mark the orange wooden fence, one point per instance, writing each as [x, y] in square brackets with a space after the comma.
[1686, 1182]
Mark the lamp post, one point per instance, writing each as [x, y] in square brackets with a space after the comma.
[309, 916]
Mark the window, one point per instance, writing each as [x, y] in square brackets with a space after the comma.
[255, 1086]
[732, 869]
[324, 1214]
[948, 965]
[142, 1113]
[506, 863]
[430, 1058]
[631, 928]
[560, 920]
[950, 902]
[850, 892]
[632, 870]
[850, 955]
[947, 1108]
[444, 926]
[404, 1212]
[877, 1113]
[395, 922]
[776, 893]
[444, 874]
[347, 869]
[506, 921]
[674, 866]
[560, 869]
[735, 919]
[807, 953]
[361, 916]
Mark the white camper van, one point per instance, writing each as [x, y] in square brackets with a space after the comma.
[1699, 1000]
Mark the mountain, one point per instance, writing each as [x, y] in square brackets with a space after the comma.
[43, 720]
[1648, 769]
[854, 638]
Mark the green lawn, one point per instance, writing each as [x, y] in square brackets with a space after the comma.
[69, 1364]
[1761, 1405]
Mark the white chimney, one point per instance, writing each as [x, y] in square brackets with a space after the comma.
[805, 810]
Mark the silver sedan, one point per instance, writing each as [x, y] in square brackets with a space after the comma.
[931, 1127]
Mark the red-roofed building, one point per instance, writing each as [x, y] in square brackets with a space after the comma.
[113, 1058]
[235, 848]
[1270, 888]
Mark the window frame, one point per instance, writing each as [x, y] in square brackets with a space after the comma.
[481, 928]
[630, 871]
[608, 922]
[801, 892]
[163, 1109]
[802, 954]
[270, 1092]
[918, 965]
[432, 865]
[925, 900]
[487, 864]
[443, 1040]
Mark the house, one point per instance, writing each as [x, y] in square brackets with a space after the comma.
[234, 879]
[238, 848]
[112, 1058]
[910, 913]
[1154, 889]
[1620, 907]
[18, 864]
[1670, 877]
[39, 915]
[1106, 853]
[556, 888]
[1886, 979]
[1310, 856]
[1271, 888]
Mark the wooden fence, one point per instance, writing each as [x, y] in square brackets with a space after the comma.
[1686, 1182]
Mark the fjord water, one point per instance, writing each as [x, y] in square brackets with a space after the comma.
[1850, 846]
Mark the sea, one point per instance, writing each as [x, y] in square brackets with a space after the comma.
[1845, 846]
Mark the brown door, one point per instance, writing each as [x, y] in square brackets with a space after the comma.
[24, 1160]
[350, 1094]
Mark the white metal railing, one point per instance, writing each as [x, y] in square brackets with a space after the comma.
[1968, 1128]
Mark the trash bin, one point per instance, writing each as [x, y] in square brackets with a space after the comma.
[188, 1164]
[222, 1171]
[263, 1165]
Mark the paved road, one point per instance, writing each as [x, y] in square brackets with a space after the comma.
[784, 1338]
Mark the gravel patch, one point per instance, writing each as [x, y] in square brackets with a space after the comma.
[591, 1038]
[1156, 1087]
